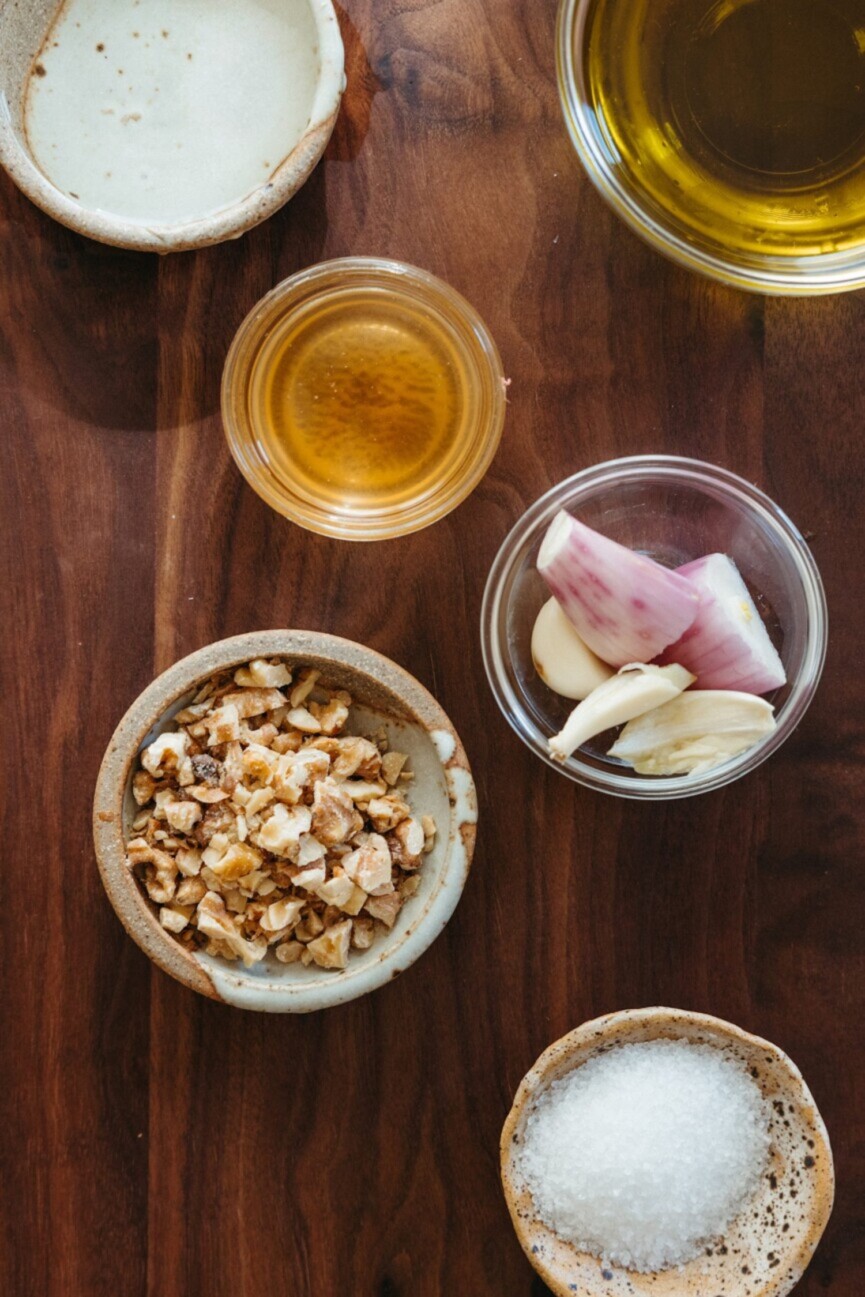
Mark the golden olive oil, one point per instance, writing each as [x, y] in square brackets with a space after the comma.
[358, 401]
[741, 121]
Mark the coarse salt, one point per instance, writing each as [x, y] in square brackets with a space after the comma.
[647, 1152]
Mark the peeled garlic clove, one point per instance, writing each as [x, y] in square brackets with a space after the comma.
[561, 659]
[636, 689]
[694, 733]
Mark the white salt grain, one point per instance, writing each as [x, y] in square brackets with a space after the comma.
[646, 1153]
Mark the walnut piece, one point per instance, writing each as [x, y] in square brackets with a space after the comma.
[263, 826]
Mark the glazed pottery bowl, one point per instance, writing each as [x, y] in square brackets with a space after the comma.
[385, 696]
[675, 510]
[767, 1247]
[171, 126]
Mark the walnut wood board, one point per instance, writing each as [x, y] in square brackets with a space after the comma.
[155, 1143]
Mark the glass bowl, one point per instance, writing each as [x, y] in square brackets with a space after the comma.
[675, 510]
[321, 312]
[757, 270]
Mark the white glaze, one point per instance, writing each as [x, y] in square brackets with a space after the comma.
[445, 745]
[171, 138]
[462, 789]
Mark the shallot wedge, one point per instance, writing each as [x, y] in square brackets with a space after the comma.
[561, 659]
[624, 606]
[727, 646]
[635, 690]
[694, 733]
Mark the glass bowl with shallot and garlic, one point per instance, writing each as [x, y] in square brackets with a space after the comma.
[654, 627]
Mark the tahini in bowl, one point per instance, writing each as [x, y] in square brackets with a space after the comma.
[170, 124]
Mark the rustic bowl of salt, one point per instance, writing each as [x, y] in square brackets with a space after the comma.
[656, 1151]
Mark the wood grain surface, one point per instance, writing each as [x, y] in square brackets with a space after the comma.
[155, 1143]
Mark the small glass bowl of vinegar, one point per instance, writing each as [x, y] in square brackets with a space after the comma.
[363, 399]
[730, 134]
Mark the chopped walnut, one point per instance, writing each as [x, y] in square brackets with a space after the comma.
[370, 866]
[407, 844]
[391, 766]
[330, 950]
[262, 826]
[263, 675]
[362, 934]
[222, 726]
[190, 891]
[206, 769]
[385, 908]
[165, 753]
[334, 818]
[143, 787]
[183, 816]
[387, 812]
[174, 920]
[290, 952]
[304, 688]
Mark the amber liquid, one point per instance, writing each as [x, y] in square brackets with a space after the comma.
[742, 121]
[358, 401]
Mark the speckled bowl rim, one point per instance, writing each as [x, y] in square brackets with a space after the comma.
[228, 222]
[323, 989]
[614, 1029]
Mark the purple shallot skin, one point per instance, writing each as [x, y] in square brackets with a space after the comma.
[728, 645]
[624, 606]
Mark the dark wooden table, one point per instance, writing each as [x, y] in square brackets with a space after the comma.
[154, 1142]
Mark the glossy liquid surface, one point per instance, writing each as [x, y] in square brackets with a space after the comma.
[742, 120]
[358, 401]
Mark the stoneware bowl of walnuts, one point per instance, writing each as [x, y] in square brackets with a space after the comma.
[284, 820]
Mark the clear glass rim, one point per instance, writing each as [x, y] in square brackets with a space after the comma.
[613, 472]
[775, 275]
[480, 353]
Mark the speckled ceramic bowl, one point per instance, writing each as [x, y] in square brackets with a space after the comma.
[768, 1246]
[169, 125]
[385, 695]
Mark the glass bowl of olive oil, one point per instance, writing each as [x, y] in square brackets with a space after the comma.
[729, 133]
[363, 398]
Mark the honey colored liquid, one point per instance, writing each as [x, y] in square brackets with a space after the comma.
[743, 120]
[358, 402]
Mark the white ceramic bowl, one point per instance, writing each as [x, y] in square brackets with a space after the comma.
[169, 126]
[386, 695]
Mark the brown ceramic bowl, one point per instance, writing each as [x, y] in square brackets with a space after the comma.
[767, 1247]
[385, 695]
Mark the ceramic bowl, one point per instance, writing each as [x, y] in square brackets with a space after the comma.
[766, 1248]
[385, 695]
[165, 130]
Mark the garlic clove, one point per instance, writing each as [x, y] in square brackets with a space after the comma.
[563, 661]
[634, 690]
[694, 732]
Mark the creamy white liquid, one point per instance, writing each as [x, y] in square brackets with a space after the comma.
[189, 105]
